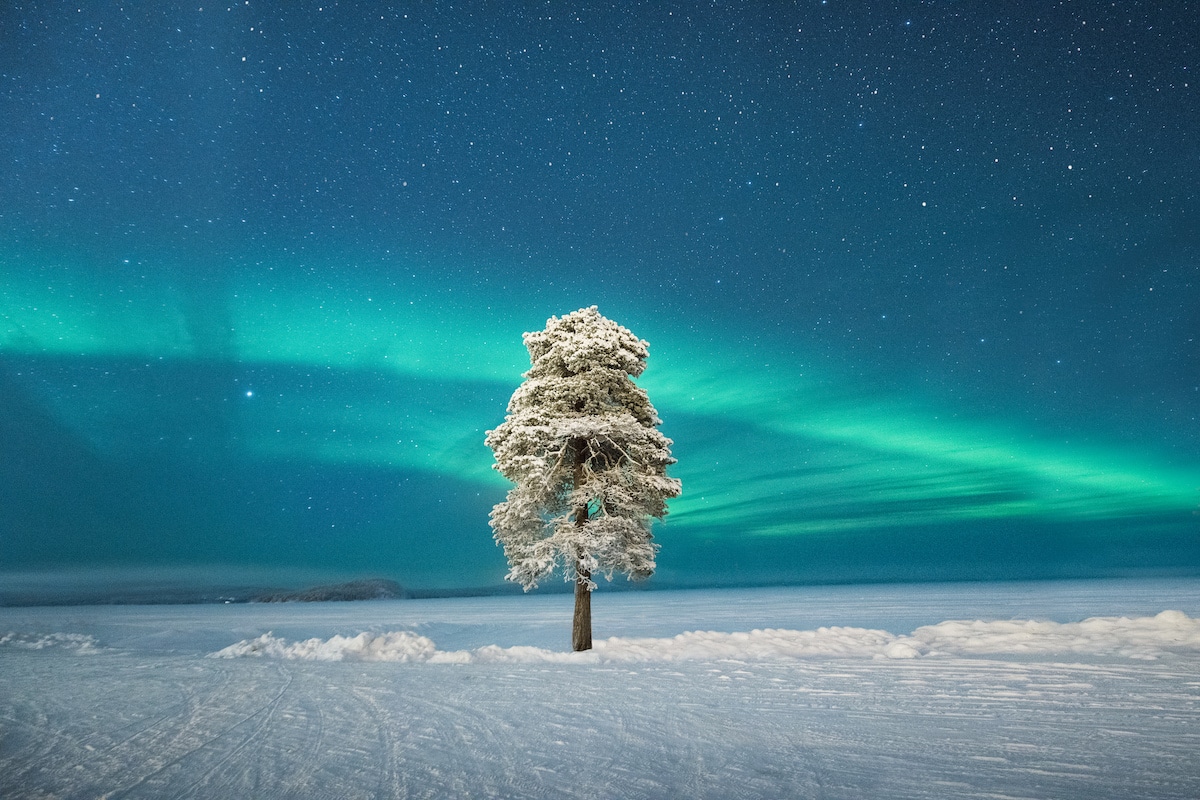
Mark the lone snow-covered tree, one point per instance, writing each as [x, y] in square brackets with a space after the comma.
[581, 443]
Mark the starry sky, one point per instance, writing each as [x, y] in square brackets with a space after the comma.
[920, 280]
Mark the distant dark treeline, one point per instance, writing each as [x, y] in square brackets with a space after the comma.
[372, 589]
[359, 590]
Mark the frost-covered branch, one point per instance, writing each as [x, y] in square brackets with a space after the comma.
[580, 434]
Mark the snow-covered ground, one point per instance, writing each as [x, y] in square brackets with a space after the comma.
[1052, 690]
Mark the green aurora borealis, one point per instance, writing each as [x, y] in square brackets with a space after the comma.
[920, 282]
[302, 375]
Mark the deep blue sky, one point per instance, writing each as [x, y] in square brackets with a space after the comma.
[919, 279]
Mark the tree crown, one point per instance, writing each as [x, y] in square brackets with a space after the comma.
[583, 341]
[580, 444]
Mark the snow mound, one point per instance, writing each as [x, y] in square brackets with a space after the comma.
[393, 646]
[1141, 638]
[78, 642]
[756, 645]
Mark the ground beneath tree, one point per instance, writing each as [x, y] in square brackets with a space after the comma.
[470, 698]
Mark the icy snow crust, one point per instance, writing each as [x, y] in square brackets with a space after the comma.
[1057, 691]
[1140, 638]
[80, 643]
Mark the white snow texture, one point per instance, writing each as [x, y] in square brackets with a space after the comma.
[820, 701]
[581, 444]
[1146, 638]
[79, 643]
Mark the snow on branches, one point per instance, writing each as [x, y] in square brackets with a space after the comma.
[581, 443]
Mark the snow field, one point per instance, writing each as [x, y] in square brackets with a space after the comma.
[1145, 638]
[119, 725]
[476, 698]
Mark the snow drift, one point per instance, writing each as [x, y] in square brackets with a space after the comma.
[78, 642]
[1140, 638]
[124, 701]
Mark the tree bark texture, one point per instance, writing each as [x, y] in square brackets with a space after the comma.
[581, 629]
[581, 626]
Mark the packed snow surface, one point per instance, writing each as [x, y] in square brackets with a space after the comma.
[1143, 637]
[990, 690]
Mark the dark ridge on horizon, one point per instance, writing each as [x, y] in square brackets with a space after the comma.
[351, 591]
[368, 589]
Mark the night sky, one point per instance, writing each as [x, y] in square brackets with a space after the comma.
[921, 281]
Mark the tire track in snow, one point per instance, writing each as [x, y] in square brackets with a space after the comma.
[184, 709]
[200, 730]
[298, 778]
[37, 744]
[259, 720]
[830, 728]
[446, 744]
[481, 731]
[391, 781]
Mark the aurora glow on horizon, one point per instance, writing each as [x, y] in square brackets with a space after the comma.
[890, 342]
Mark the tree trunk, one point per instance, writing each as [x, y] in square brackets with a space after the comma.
[581, 626]
[581, 629]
